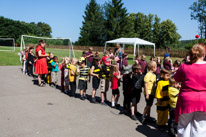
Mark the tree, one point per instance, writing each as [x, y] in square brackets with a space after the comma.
[199, 13]
[156, 31]
[44, 29]
[92, 30]
[116, 24]
[168, 34]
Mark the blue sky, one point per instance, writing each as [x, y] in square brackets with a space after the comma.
[65, 16]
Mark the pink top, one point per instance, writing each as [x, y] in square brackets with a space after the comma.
[192, 95]
[114, 82]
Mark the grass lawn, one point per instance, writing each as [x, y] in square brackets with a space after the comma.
[11, 58]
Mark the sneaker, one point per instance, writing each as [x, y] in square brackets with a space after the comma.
[161, 127]
[85, 97]
[103, 103]
[113, 107]
[82, 98]
[133, 117]
[93, 100]
[52, 85]
[138, 114]
[143, 119]
[150, 119]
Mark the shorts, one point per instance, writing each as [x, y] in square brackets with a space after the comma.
[104, 85]
[54, 77]
[115, 91]
[149, 101]
[82, 85]
[66, 82]
[95, 82]
[135, 96]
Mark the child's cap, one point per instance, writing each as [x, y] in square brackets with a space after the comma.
[166, 55]
[31, 48]
[81, 59]
[106, 60]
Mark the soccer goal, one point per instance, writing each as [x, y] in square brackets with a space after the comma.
[7, 44]
[58, 46]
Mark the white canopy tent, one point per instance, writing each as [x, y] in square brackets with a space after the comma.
[133, 41]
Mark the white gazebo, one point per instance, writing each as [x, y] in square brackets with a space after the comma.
[132, 41]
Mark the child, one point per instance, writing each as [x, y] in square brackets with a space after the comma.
[49, 61]
[126, 90]
[175, 67]
[31, 60]
[149, 86]
[72, 77]
[25, 60]
[162, 99]
[105, 77]
[55, 69]
[152, 58]
[167, 63]
[136, 84]
[143, 64]
[84, 73]
[158, 68]
[64, 75]
[95, 72]
[137, 59]
[97, 54]
[114, 86]
[173, 93]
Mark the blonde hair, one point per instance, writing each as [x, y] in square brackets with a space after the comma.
[74, 60]
[151, 65]
[196, 52]
[113, 69]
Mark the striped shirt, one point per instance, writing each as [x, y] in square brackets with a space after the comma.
[84, 73]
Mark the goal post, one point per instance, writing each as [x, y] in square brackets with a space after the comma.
[7, 44]
[64, 40]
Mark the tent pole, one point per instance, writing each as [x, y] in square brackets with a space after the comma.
[154, 50]
[138, 49]
[105, 47]
[123, 46]
[134, 51]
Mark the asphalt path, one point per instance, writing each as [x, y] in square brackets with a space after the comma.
[27, 110]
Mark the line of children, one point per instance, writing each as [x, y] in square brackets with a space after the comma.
[166, 90]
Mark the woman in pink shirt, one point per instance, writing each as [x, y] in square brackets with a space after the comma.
[190, 111]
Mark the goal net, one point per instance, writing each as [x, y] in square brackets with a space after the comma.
[60, 47]
[7, 44]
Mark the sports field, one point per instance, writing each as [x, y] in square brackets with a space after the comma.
[11, 58]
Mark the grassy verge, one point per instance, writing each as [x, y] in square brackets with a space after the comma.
[11, 58]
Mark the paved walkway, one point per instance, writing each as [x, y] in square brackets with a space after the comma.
[27, 110]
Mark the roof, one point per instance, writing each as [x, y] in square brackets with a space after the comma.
[136, 41]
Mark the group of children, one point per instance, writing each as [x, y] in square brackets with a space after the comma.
[157, 81]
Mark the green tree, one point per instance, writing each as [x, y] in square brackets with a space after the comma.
[44, 29]
[92, 30]
[168, 34]
[198, 12]
[116, 24]
[156, 31]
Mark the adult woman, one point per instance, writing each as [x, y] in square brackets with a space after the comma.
[191, 105]
[118, 52]
[41, 63]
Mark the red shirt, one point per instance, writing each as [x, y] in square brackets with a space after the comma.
[114, 82]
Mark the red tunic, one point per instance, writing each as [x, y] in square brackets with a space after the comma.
[41, 63]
